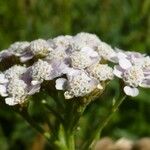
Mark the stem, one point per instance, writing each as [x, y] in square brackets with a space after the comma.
[98, 130]
[56, 114]
[114, 109]
[71, 143]
[32, 123]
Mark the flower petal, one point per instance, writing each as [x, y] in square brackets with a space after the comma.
[90, 52]
[3, 91]
[10, 101]
[118, 71]
[145, 83]
[34, 89]
[131, 91]
[2, 78]
[60, 83]
[125, 63]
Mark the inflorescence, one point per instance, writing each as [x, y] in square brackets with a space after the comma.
[78, 65]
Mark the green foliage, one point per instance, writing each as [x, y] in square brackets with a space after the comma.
[122, 23]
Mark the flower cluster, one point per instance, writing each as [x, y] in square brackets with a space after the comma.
[78, 64]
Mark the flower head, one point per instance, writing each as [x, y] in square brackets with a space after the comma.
[84, 39]
[18, 47]
[17, 92]
[63, 42]
[41, 70]
[106, 51]
[133, 74]
[102, 72]
[40, 47]
[15, 71]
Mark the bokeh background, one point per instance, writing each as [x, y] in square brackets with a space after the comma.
[121, 23]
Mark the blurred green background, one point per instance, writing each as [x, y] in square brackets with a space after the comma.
[121, 23]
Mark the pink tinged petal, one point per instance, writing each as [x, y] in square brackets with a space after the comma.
[26, 57]
[90, 52]
[121, 55]
[60, 83]
[10, 101]
[34, 89]
[2, 79]
[3, 91]
[118, 72]
[113, 58]
[145, 83]
[131, 91]
[124, 63]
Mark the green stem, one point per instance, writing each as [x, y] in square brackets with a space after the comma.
[110, 115]
[71, 143]
[95, 136]
[32, 123]
[56, 114]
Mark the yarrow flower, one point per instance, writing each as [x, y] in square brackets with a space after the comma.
[77, 84]
[41, 70]
[133, 74]
[18, 48]
[102, 72]
[15, 71]
[85, 40]
[78, 65]
[106, 51]
[63, 42]
[17, 92]
[40, 47]
[84, 58]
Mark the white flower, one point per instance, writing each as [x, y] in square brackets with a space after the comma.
[101, 71]
[144, 62]
[40, 47]
[59, 53]
[15, 71]
[133, 76]
[17, 92]
[19, 47]
[85, 40]
[106, 52]
[41, 70]
[84, 58]
[63, 42]
[79, 85]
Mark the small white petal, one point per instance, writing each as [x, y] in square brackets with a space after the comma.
[124, 63]
[131, 91]
[2, 78]
[34, 89]
[121, 55]
[145, 83]
[25, 58]
[89, 51]
[60, 83]
[117, 72]
[35, 82]
[10, 101]
[3, 91]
